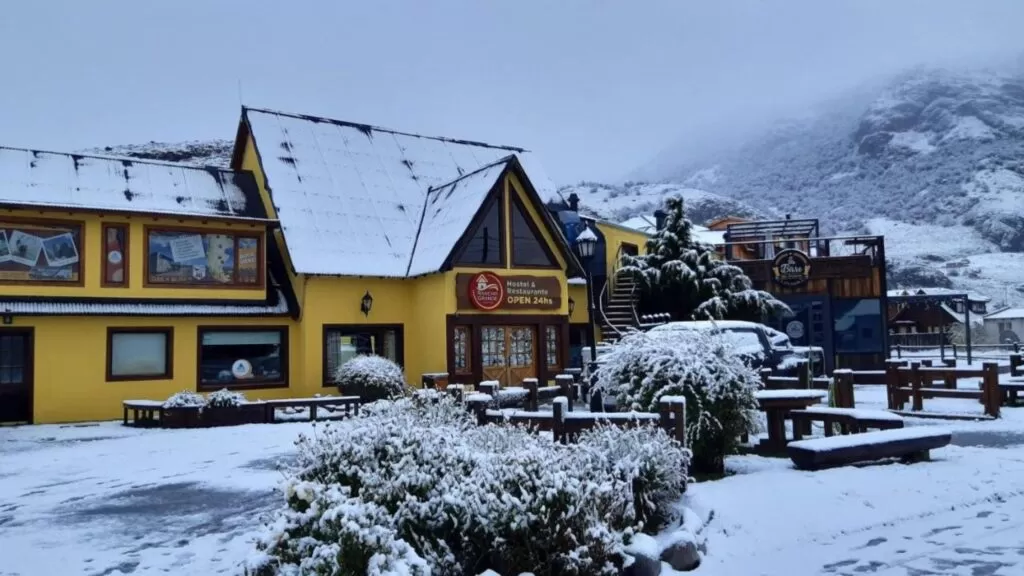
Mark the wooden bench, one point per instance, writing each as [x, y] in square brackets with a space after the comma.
[908, 444]
[850, 420]
[347, 405]
[144, 413]
[1008, 390]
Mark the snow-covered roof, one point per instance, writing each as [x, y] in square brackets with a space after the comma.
[72, 181]
[641, 223]
[1006, 314]
[351, 198]
[85, 308]
[647, 224]
[449, 211]
[972, 296]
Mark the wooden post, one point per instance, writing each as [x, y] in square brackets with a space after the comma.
[490, 388]
[917, 403]
[1016, 365]
[899, 351]
[892, 380]
[672, 412]
[596, 402]
[457, 391]
[926, 376]
[844, 388]
[803, 375]
[564, 383]
[766, 373]
[558, 419]
[990, 384]
[477, 404]
[532, 400]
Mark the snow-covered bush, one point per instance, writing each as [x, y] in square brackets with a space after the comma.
[370, 377]
[225, 398]
[416, 485]
[185, 399]
[704, 367]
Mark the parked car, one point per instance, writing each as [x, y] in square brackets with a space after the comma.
[763, 347]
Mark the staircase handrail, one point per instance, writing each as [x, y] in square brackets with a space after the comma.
[613, 278]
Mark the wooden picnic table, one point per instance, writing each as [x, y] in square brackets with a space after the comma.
[776, 404]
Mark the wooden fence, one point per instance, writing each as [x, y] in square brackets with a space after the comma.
[566, 425]
[917, 382]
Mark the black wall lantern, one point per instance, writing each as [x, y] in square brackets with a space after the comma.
[572, 306]
[366, 304]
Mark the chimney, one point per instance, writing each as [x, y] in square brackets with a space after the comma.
[574, 202]
[659, 219]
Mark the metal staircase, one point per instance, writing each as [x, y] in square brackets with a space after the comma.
[618, 302]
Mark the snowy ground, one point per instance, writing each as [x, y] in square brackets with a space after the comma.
[107, 500]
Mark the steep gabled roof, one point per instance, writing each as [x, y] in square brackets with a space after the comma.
[358, 200]
[447, 214]
[37, 179]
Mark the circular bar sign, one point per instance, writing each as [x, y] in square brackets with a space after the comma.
[486, 291]
[791, 268]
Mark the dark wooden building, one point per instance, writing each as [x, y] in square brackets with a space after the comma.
[834, 286]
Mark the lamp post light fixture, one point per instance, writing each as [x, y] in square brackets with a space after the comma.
[586, 247]
[366, 304]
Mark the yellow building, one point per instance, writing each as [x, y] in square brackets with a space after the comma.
[127, 279]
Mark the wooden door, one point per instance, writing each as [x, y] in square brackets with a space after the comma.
[508, 354]
[494, 353]
[15, 376]
[522, 356]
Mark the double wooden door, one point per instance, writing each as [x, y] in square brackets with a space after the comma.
[508, 354]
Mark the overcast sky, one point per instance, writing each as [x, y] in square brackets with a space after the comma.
[596, 87]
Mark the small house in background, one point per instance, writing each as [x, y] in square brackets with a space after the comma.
[927, 316]
[1006, 324]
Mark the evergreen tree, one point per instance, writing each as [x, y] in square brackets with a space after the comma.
[688, 280]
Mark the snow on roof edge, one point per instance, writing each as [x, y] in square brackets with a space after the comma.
[43, 308]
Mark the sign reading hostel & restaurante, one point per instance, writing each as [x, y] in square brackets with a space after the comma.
[487, 292]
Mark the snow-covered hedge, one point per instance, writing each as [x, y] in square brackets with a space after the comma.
[702, 366]
[185, 399]
[416, 487]
[225, 398]
[371, 377]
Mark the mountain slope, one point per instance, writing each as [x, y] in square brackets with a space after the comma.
[619, 203]
[934, 161]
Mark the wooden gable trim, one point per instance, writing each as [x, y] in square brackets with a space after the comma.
[495, 195]
[515, 202]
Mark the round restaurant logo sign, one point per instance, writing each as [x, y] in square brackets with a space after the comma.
[486, 291]
[791, 268]
[241, 368]
[795, 329]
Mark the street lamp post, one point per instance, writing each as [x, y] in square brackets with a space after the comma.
[586, 246]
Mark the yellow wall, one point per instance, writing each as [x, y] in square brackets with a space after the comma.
[92, 258]
[615, 237]
[579, 295]
[71, 355]
[75, 388]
